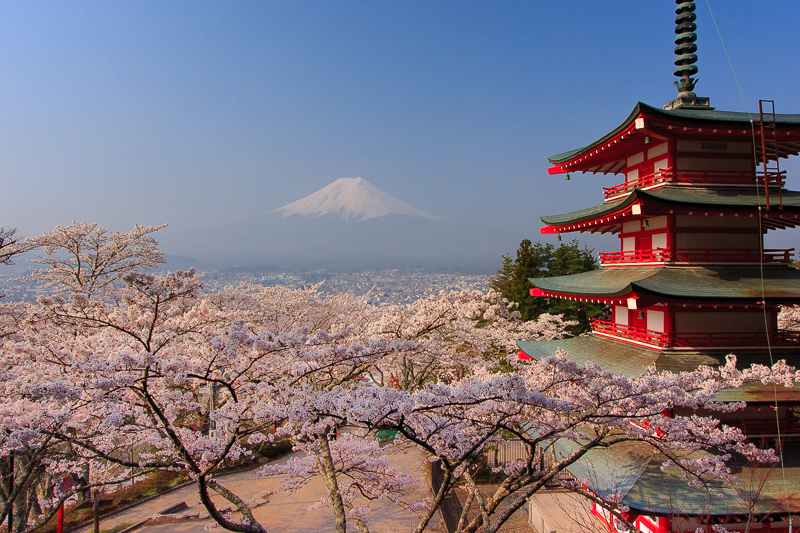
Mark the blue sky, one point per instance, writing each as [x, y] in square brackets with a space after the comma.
[201, 113]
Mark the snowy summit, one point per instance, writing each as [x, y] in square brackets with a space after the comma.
[352, 199]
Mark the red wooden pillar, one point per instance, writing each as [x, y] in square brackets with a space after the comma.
[671, 231]
[61, 518]
[669, 321]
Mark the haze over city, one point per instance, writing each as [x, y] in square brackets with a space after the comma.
[208, 115]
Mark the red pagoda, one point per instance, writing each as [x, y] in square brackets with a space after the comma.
[691, 283]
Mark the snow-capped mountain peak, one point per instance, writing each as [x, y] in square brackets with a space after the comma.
[352, 199]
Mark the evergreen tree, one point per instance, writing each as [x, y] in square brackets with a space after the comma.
[537, 260]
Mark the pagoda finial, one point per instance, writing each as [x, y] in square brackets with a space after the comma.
[685, 62]
[685, 49]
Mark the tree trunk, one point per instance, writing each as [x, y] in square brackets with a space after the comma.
[328, 471]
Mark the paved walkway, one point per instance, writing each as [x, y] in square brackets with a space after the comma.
[517, 523]
[283, 512]
[563, 512]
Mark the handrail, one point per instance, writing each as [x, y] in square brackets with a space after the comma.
[692, 340]
[629, 332]
[697, 255]
[696, 177]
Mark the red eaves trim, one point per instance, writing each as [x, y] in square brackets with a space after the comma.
[549, 230]
[539, 293]
[590, 152]
[522, 356]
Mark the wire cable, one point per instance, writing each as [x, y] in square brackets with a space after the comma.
[761, 245]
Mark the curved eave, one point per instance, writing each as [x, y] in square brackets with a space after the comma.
[605, 213]
[605, 217]
[567, 161]
[607, 153]
[635, 475]
[719, 284]
[631, 360]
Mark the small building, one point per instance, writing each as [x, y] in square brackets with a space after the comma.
[691, 282]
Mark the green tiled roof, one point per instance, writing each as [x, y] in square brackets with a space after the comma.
[632, 470]
[620, 357]
[678, 115]
[702, 198]
[719, 283]
[589, 213]
[631, 360]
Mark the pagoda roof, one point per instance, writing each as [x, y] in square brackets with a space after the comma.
[633, 471]
[685, 198]
[681, 282]
[606, 153]
[631, 360]
[622, 358]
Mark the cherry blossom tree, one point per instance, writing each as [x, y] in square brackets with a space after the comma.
[120, 360]
[789, 318]
[355, 469]
[10, 245]
[96, 261]
[85, 258]
[132, 374]
[457, 333]
[556, 399]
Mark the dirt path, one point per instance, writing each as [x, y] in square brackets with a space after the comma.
[283, 512]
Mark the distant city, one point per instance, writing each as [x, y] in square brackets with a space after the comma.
[394, 286]
[382, 286]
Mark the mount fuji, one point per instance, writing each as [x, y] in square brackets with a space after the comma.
[352, 199]
[349, 224]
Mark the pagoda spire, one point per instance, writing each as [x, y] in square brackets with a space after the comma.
[685, 49]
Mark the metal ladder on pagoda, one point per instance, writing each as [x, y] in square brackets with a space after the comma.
[771, 173]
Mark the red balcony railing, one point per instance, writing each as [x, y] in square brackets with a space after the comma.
[696, 255]
[698, 178]
[645, 336]
[695, 340]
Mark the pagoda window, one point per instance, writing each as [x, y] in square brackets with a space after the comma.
[719, 321]
[717, 241]
[631, 227]
[660, 240]
[715, 156]
[621, 315]
[697, 221]
[632, 172]
[628, 244]
[657, 150]
[714, 164]
[716, 148]
[724, 233]
[661, 164]
[655, 320]
[635, 159]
